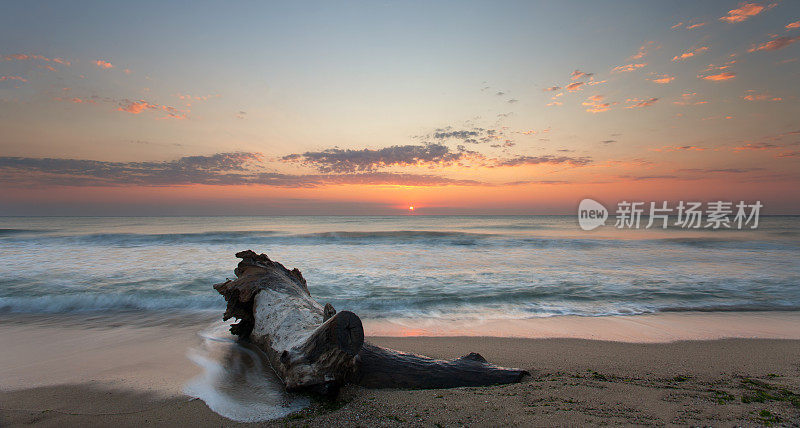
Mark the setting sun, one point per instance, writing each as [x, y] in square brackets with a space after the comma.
[411, 208]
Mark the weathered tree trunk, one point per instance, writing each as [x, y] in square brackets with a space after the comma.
[313, 348]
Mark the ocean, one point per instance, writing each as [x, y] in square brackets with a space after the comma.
[436, 267]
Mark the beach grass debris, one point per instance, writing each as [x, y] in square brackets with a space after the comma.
[758, 391]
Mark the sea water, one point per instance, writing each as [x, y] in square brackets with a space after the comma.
[401, 266]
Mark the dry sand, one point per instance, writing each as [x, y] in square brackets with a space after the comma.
[129, 371]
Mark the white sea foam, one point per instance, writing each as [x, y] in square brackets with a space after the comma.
[445, 267]
[237, 382]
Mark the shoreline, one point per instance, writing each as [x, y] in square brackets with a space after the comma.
[661, 327]
[131, 369]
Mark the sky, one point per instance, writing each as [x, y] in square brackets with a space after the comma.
[257, 108]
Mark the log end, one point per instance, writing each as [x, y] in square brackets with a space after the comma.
[327, 358]
[349, 332]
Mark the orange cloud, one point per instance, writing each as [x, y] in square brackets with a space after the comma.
[4, 78]
[577, 74]
[31, 57]
[555, 101]
[712, 67]
[662, 79]
[551, 89]
[744, 12]
[793, 25]
[688, 99]
[690, 53]
[679, 148]
[718, 77]
[576, 86]
[595, 104]
[188, 99]
[644, 50]
[756, 146]
[637, 103]
[774, 44]
[689, 25]
[137, 107]
[19, 57]
[105, 65]
[76, 100]
[627, 68]
[753, 96]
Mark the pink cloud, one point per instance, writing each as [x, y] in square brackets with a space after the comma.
[690, 53]
[793, 25]
[698, 25]
[627, 68]
[105, 65]
[774, 44]
[744, 12]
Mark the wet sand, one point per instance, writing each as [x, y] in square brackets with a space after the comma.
[130, 370]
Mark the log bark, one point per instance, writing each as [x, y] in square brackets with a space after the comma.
[314, 348]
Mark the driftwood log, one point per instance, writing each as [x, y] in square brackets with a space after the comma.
[313, 348]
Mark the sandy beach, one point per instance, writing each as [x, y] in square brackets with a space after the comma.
[131, 370]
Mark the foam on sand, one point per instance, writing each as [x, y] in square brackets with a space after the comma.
[237, 381]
